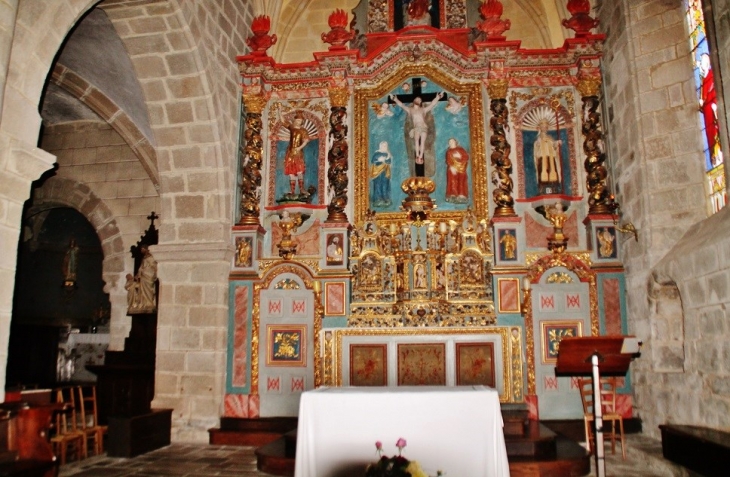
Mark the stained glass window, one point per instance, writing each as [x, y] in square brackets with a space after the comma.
[707, 98]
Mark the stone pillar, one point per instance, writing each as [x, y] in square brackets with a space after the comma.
[191, 335]
[20, 164]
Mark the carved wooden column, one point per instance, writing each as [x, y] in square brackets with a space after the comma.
[337, 155]
[600, 200]
[252, 159]
[501, 175]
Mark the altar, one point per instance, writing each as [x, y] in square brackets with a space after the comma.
[456, 430]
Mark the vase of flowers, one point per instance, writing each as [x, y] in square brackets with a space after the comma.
[396, 465]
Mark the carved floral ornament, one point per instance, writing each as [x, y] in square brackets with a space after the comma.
[589, 86]
[497, 88]
[254, 103]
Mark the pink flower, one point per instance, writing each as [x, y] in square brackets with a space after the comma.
[400, 444]
[379, 447]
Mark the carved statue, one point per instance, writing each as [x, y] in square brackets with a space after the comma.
[141, 292]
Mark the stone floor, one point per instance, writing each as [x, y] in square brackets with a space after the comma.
[644, 459]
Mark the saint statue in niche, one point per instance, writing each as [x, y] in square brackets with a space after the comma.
[294, 164]
[70, 264]
[547, 161]
[417, 12]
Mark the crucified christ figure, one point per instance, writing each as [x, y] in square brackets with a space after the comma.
[419, 133]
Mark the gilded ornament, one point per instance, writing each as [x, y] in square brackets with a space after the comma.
[497, 88]
[339, 96]
[589, 86]
[559, 277]
[254, 103]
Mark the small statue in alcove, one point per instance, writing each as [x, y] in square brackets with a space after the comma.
[70, 264]
[141, 291]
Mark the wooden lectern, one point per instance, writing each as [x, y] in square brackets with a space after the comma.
[593, 355]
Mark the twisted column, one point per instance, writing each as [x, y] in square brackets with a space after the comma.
[337, 155]
[253, 152]
[599, 197]
[501, 163]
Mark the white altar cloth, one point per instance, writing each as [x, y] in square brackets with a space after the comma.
[457, 430]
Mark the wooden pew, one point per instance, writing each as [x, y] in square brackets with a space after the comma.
[24, 447]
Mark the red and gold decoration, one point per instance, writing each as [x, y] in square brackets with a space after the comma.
[338, 36]
[261, 40]
[493, 25]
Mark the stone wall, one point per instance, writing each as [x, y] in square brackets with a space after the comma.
[654, 150]
[184, 54]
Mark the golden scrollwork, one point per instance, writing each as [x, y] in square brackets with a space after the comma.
[287, 284]
[559, 277]
[497, 88]
[339, 96]
[589, 86]
[516, 347]
[328, 355]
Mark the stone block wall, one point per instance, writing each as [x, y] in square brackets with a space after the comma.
[675, 281]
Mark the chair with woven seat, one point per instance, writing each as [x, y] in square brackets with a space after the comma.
[67, 437]
[608, 407]
[89, 417]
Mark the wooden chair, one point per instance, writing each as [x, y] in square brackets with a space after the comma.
[67, 437]
[89, 417]
[608, 406]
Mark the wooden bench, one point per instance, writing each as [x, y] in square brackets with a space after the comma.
[24, 447]
[700, 449]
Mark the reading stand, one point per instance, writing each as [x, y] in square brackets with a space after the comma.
[584, 356]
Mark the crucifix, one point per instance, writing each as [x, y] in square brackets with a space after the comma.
[419, 125]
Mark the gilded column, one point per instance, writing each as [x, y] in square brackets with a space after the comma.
[599, 198]
[501, 163]
[337, 155]
[253, 152]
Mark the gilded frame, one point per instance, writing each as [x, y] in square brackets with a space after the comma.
[511, 357]
[552, 332]
[472, 92]
[286, 345]
[329, 306]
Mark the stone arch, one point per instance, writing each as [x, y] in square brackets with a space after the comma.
[61, 192]
[192, 142]
[30, 61]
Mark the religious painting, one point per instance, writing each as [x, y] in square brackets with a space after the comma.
[509, 295]
[368, 365]
[334, 250]
[244, 249]
[334, 298]
[420, 123]
[421, 364]
[297, 143]
[507, 239]
[553, 332]
[286, 345]
[475, 364]
[606, 243]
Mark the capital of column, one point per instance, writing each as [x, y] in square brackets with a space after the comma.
[589, 86]
[497, 88]
[254, 103]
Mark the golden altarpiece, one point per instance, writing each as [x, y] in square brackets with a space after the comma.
[422, 203]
